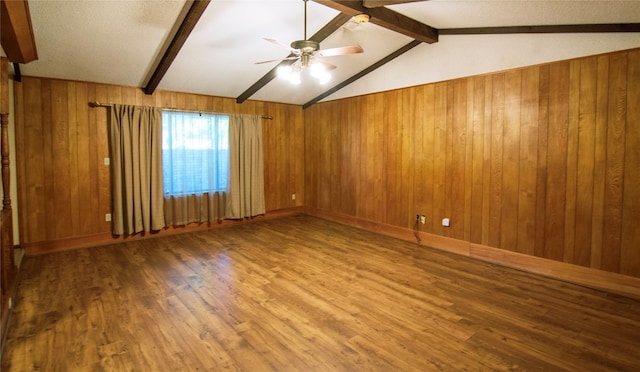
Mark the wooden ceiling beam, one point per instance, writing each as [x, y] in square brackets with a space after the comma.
[551, 29]
[188, 23]
[386, 18]
[16, 31]
[379, 3]
[397, 53]
[319, 36]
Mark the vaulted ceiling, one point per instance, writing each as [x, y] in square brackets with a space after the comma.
[210, 47]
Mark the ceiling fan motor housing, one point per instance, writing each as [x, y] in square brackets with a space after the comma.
[305, 46]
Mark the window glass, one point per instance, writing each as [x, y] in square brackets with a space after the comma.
[195, 152]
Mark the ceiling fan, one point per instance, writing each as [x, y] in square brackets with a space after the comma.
[307, 54]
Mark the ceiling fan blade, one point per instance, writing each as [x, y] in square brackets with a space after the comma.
[277, 60]
[354, 49]
[327, 66]
[279, 44]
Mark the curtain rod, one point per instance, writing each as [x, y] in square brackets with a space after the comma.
[100, 104]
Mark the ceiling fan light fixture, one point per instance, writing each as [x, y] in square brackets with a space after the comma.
[324, 78]
[361, 18]
[292, 73]
[294, 78]
[284, 71]
[319, 71]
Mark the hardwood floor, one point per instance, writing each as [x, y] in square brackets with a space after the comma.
[305, 294]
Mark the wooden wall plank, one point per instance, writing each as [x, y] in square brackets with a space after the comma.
[630, 244]
[350, 133]
[392, 145]
[280, 150]
[267, 141]
[73, 162]
[327, 141]
[48, 164]
[614, 181]
[446, 168]
[83, 163]
[486, 159]
[541, 174]
[457, 162]
[332, 139]
[573, 121]
[585, 161]
[29, 142]
[511, 138]
[477, 132]
[468, 160]
[372, 175]
[93, 162]
[60, 150]
[439, 158]
[101, 143]
[528, 162]
[311, 155]
[419, 199]
[339, 162]
[425, 162]
[556, 161]
[600, 159]
[496, 159]
[406, 102]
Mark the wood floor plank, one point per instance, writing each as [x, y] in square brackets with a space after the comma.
[302, 293]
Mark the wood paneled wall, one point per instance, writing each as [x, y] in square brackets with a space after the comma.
[543, 160]
[61, 142]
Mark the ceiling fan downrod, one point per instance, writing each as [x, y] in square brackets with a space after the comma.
[305, 19]
[305, 46]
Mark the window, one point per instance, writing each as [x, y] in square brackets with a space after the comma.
[195, 153]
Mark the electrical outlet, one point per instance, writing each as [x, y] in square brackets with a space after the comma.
[445, 222]
[107, 217]
[107, 161]
[293, 196]
[423, 219]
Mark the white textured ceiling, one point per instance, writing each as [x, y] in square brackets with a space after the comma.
[118, 42]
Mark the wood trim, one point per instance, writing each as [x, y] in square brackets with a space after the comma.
[585, 276]
[4, 85]
[95, 240]
[18, 40]
[551, 29]
[8, 269]
[17, 74]
[7, 264]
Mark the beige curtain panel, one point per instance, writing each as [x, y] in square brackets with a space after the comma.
[246, 168]
[183, 210]
[135, 137]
